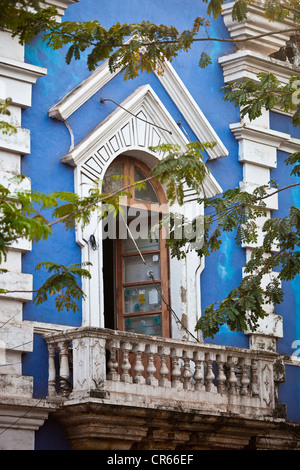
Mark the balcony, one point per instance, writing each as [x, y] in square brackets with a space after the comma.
[119, 390]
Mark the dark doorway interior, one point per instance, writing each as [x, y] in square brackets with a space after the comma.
[109, 283]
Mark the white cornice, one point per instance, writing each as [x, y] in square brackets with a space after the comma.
[82, 93]
[278, 140]
[259, 134]
[17, 79]
[172, 84]
[255, 24]
[61, 6]
[247, 64]
[290, 145]
[20, 70]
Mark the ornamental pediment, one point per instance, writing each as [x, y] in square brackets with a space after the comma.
[173, 85]
[141, 121]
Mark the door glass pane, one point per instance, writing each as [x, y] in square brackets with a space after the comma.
[146, 194]
[135, 270]
[143, 245]
[141, 298]
[111, 183]
[144, 324]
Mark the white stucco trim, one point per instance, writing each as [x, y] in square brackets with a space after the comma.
[19, 419]
[61, 6]
[255, 24]
[247, 64]
[16, 80]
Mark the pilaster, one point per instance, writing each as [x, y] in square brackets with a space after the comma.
[258, 144]
[20, 415]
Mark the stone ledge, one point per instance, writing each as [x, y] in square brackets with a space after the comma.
[247, 64]
[255, 24]
[20, 283]
[94, 425]
[19, 419]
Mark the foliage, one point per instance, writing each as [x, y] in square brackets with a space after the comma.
[64, 283]
[134, 47]
[238, 210]
[23, 216]
[5, 127]
[179, 168]
[267, 92]
[144, 47]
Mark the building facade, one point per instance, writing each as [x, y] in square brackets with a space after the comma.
[126, 371]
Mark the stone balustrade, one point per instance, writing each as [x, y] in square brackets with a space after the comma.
[133, 369]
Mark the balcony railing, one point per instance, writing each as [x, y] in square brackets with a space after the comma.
[126, 368]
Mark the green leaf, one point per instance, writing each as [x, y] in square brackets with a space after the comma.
[205, 60]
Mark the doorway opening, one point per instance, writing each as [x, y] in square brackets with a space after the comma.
[136, 267]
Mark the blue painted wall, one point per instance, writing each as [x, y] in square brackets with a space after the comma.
[51, 141]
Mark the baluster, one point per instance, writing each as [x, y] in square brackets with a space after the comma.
[113, 364]
[221, 377]
[138, 366]
[254, 378]
[150, 350]
[245, 380]
[126, 366]
[176, 371]
[52, 371]
[198, 374]
[64, 370]
[187, 373]
[209, 376]
[232, 376]
[164, 352]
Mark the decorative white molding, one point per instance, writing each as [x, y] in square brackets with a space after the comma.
[17, 336]
[121, 132]
[61, 6]
[255, 24]
[45, 329]
[172, 84]
[16, 80]
[19, 419]
[247, 64]
[18, 416]
[257, 145]
[268, 137]
[82, 93]
[21, 71]
[290, 145]
[259, 134]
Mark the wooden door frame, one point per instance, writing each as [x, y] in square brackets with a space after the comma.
[128, 170]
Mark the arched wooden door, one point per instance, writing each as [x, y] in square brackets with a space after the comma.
[141, 265]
